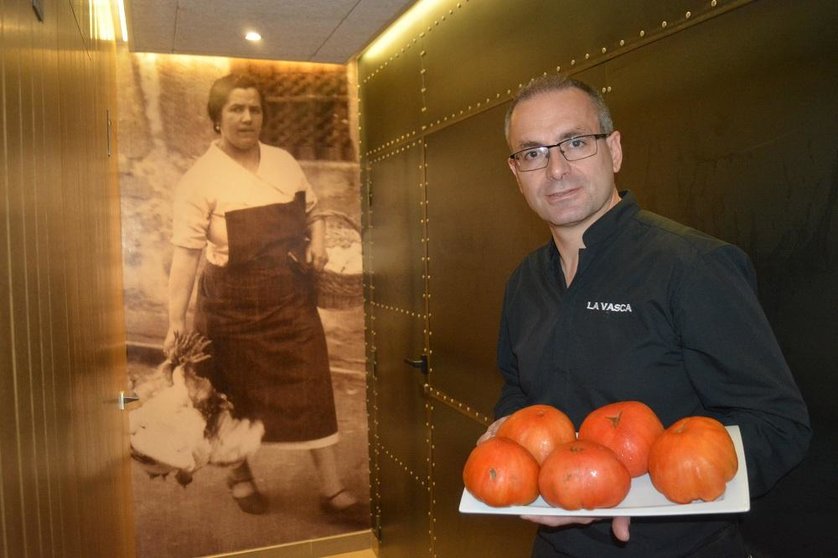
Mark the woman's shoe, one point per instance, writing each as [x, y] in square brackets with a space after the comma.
[247, 496]
[352, 512]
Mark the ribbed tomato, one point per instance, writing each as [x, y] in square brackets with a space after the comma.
[500, 472]
[628, 428]
[693, 460]
[583, 475]
[539, 428]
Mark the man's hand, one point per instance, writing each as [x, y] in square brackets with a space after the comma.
[493, 428]
[619, 525]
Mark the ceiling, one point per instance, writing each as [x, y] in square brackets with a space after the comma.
[329, 31]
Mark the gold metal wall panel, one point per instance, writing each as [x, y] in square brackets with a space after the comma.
[400, 415]
[405, 507]
[395, 239]
[479, 228]
[391, 101]
[461, 535]
[744, 176]
[396, 256]
[487, 49]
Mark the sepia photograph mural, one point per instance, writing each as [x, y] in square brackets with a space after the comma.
[240, 203]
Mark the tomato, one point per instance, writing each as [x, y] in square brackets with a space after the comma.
[693, 460]
[539, 428]
[583, 475]
[500, 472]
[628, 428]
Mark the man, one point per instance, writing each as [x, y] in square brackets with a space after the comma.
[626, 305]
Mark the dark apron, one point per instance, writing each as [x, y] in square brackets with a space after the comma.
[268, 347]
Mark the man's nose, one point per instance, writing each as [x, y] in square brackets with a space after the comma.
[557, 165]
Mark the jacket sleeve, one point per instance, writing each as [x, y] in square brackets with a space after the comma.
[736, 366]
[512, 396]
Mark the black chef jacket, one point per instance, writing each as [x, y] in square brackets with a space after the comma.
[660, 313]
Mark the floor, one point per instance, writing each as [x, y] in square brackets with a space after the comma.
[357, 554]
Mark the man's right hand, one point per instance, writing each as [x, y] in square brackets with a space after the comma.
[493, 428]
[619, 524]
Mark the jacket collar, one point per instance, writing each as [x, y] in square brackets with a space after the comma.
[607, 225]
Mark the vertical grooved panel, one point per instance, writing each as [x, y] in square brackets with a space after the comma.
[63, 452]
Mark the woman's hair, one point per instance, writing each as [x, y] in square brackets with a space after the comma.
[220, 92]
[551, 83]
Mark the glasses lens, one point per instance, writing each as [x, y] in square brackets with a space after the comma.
[532, 159]
[579, 147]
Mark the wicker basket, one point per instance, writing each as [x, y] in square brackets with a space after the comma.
[340, 290]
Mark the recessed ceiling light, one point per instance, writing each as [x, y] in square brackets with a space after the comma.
[253, 36]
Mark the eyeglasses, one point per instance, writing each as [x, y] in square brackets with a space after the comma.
[573, 149]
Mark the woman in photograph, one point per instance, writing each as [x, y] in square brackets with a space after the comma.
[251, 209]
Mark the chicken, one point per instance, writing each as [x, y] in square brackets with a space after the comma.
[184, 423]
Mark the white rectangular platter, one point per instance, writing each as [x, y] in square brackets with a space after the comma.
[642, 500]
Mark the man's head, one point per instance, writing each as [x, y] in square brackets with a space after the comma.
[557, 82]
[565, 152]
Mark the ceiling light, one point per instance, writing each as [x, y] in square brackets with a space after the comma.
[253, 36]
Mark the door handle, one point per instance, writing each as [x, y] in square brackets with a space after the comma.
[421, 364]
[126, 398]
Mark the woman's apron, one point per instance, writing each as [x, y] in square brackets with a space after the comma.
[268, 347]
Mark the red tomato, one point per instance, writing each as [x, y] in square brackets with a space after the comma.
[693, 460]
[500, 472]
[628, 428]
[583, 475]
[539, 428]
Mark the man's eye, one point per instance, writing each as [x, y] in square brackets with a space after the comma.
[576, 143]
[531, 154]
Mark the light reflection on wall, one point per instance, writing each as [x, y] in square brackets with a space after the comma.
[102, 24]
[400, 26]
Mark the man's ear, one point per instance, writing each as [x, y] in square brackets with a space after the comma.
[616, 150]
[512, 167]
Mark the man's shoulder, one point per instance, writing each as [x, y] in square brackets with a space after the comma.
[675, 235]
[662, 239]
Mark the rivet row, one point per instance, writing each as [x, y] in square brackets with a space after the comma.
[498, 95]
[399, 310]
